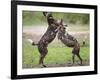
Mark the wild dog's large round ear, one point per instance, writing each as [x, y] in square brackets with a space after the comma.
[45, 14]
[65, 25]
[61, 22]
[49, 15]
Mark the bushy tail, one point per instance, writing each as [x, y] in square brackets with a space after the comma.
[34, 44]
[31, 41]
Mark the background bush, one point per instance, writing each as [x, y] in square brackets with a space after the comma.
[37, 18]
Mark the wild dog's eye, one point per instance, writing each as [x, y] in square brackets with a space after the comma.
[64, 28]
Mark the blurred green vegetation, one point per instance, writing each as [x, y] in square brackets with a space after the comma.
[37, 18]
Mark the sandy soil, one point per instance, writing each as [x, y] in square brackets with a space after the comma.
[35, 33]
[69, 64]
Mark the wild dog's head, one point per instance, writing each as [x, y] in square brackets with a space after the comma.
[62, 29]
[47, 14]
[50, 18]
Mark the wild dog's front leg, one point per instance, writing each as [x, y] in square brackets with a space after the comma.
[58, 27]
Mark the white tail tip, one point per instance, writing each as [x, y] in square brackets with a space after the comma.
[30, 40]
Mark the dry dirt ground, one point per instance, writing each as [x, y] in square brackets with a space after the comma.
[35, 33]
[69, 64]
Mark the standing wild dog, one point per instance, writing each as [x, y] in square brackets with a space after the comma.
[69, 41]
[48, 36]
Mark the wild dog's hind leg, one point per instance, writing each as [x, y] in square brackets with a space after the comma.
[73, 58]
[79, 58]
[42, 56]
[76, 51]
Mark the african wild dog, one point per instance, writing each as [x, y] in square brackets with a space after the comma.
[69, 41]
[48, 37]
